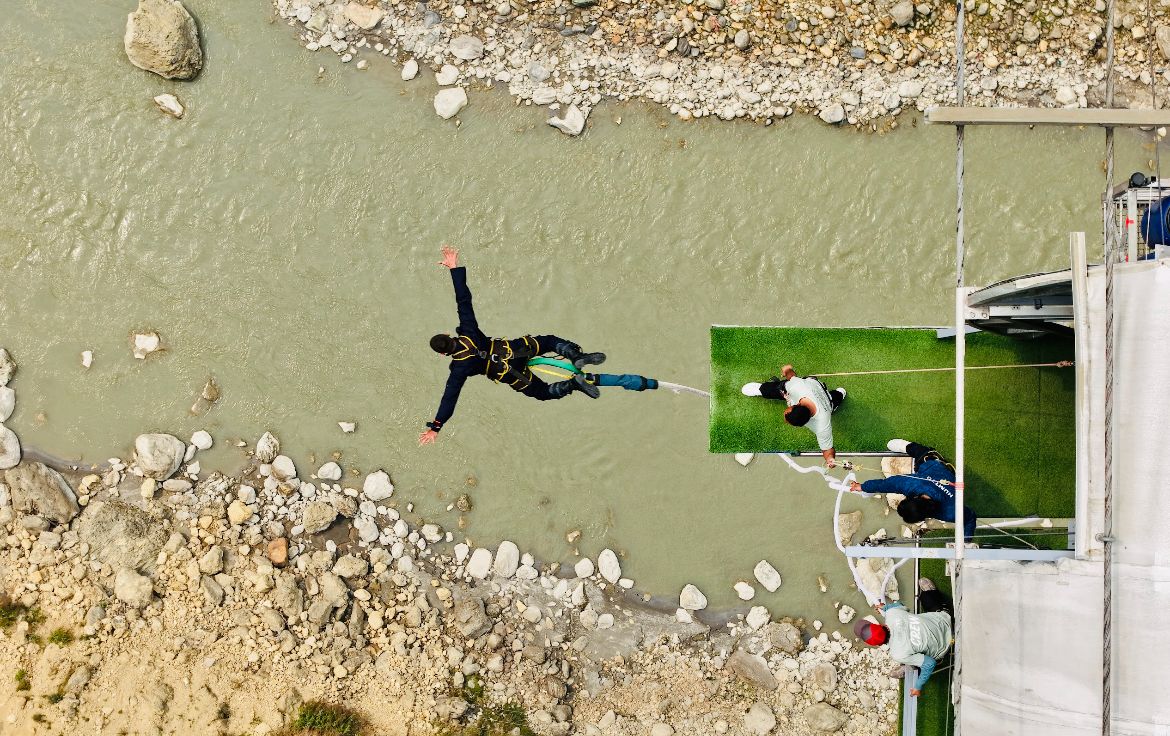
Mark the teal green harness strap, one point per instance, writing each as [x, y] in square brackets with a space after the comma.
[564, 365]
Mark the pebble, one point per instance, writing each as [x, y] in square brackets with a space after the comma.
[692, 599]
[448, 102]
[409, 72]
[744, 591]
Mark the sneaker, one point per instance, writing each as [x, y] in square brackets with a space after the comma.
[841, 390]
[898, 671]
[898, 445]
[925, 584]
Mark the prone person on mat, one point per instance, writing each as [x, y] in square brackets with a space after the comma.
[929, 489]
[810, 404]
[473, 353]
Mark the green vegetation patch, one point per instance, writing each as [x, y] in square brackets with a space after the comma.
[61, 637]
[1020, 422]
[318, 718]
[508, 719]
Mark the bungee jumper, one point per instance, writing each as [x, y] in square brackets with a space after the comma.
[510, 362]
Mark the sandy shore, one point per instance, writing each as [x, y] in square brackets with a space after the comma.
[848, 62]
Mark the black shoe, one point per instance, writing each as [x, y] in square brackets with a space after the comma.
[583, 385]
[571, 351]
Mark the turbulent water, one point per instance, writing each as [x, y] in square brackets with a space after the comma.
[283, 237]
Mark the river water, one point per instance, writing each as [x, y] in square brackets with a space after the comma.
[283, 237]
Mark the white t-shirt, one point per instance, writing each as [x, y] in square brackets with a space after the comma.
[821, 423]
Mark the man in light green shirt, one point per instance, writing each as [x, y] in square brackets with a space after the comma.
[810, 405]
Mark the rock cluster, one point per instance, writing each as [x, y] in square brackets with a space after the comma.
[310, 584]
[852, 61]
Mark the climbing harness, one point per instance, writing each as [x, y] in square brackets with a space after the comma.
[500, 357]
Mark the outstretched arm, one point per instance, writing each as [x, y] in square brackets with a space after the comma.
[467, 323]
[446, 408]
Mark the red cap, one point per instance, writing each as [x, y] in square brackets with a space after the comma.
[871, 633]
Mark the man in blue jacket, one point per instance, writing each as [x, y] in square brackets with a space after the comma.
[473, 353]
[929, 490]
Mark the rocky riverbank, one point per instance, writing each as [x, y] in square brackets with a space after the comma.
[205, 603]
[846, 61]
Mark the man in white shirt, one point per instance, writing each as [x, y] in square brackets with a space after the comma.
[810, 404]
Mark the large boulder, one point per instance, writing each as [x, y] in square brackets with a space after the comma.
[825, 718]
[363, 16]
[121, 535]
[41, 490]
[752, 668]
[785, 637]
[377, 486]
[159, 455]
[448, 102]
[161, 37]
[9, 448]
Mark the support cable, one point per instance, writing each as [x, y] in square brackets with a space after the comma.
[960, 359]
[1107, 516]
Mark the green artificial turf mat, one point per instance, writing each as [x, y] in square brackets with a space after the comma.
[1020, 422]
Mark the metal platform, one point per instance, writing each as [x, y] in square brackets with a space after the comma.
[1102, 117]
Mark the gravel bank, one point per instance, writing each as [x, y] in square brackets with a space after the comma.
[848, 62]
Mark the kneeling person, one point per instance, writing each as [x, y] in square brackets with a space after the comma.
[810, 404]
[916, 639]
[929, 490]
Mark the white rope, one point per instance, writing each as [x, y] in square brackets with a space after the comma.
[678, 388]
[841, 486]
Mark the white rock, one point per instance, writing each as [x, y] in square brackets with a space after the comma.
[507, 559]
[9, 448]
[7, 367]
[347, 427]
[468, 48]
[448, 102]
[759, 718]
[86, 358]
[170, 105]
[283, 467]
[743, 458]
[692, 599]
[267, 448]
[683, 616]
[329, 471]
[572, 123]
[910, 89]
[7, 402]
[846, 614]
[133, 589]
[146, 343]
[757, 618]
[202, 440]
[159, 455]
[1066, 95]
[584, 567]
[461, 551]
[367, 529]
[480, 563]
[767, 576]
[607, 563]
[833, 114]
[430, 532]
[409, 70]
[744, 591]
[364, 16]
[377, 486]
[447, 75]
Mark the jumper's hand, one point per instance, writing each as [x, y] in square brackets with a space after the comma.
[855, 486]
[788, 371]
[450, 257]
[428, 437]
